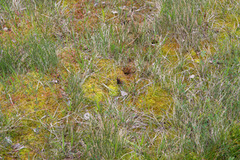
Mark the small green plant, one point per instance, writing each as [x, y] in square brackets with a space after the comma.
[33, 52]
[119, 79]
[186, 19]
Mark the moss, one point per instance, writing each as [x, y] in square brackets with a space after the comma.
[39, 103]
[103, 82]
[169, 49]
[70, 61]
[155, 99]
[92, 90]
[113, 90]
[234, 143]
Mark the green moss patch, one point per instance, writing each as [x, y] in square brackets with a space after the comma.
[39, 104]
[103, 82]
[155, 100]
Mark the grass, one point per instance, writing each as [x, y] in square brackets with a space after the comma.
[119, 80]
[28, 54]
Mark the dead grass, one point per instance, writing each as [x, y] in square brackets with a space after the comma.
[119, 79]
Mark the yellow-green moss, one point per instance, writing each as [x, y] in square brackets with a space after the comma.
[104, 82]
[113, 90]
[92, 90]
[155, 99]
[169, 49]
[37, 102]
